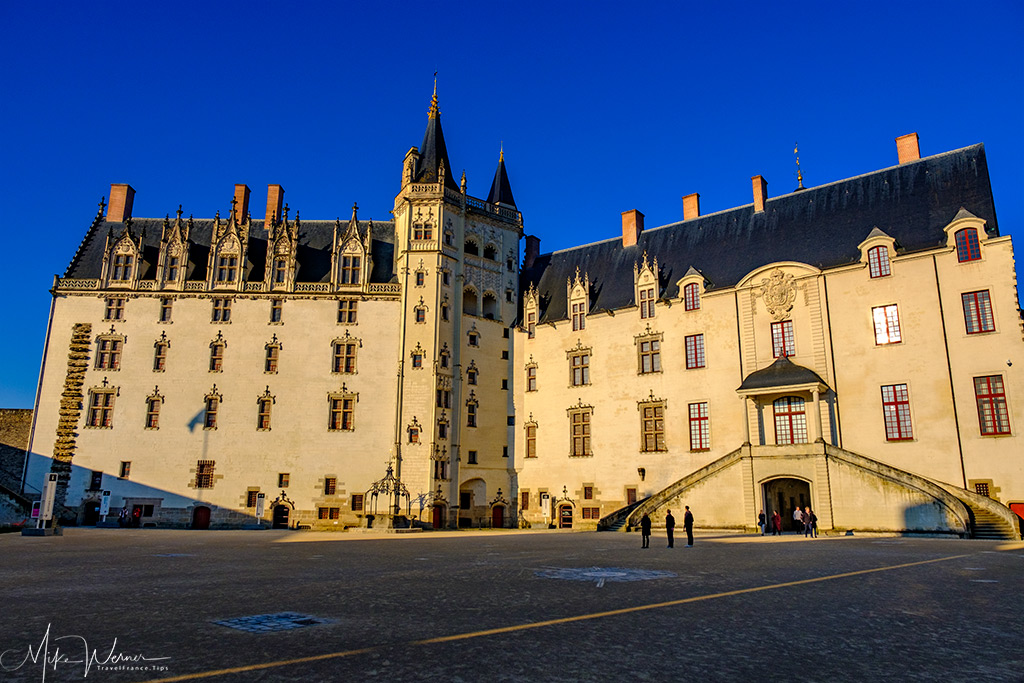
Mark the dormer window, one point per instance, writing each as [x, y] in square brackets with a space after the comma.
[878, 262]
[280, 266]
[579, 316]
[350, 270]
[691, 296]
[173, 263]
[967, 245]
[227, 268]
[122, 267]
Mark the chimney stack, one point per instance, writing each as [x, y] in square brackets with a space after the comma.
[691, 206]
[632, 226]
[907, 148]
[532, 251]
[275, 200]
[122, 197]
[241, 204]
[760, 193]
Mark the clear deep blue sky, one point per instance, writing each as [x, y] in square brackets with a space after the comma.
[602, 107]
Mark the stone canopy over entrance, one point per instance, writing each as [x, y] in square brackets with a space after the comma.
[781, 390]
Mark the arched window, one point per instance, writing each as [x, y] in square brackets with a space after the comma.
[790, 421]
[469, 302]
[490, 252]
[967, 246]
[490, 308]
[878, 261]
[472, 248]
[691, 296]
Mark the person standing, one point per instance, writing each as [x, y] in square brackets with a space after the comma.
[645, 531]
[805, 518]
[798, 517]
[688, 525]
[670, 528]
[814, 524]
[776, 524]
[760, 521]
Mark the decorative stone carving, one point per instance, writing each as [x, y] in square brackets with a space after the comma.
[779, 292]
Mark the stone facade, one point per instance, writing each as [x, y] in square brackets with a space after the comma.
[835, 347]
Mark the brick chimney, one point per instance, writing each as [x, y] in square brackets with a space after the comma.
[691, 206]
[632, 226]
[241, 202]
[275, 200]
[532, 251]
[122, 197]
[908, 148]
[760, 193]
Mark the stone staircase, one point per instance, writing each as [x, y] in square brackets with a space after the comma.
[989, 526]
[616, 521]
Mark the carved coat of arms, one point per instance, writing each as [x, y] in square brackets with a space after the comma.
[779, 292]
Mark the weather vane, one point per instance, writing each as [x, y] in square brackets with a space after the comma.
[799, 173]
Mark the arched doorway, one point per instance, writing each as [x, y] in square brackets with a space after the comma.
[280, 517]
[201, 517]
[785, 494]
[439, 516]
[565, 516]
[498, 517]
[91, 514]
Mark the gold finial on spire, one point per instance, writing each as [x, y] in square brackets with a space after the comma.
[501, 154]
[433, 101]
[799, 173]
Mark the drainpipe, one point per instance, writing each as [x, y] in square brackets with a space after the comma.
[949, 368]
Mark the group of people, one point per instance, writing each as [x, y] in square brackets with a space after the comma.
[670, 528]
[804, 520]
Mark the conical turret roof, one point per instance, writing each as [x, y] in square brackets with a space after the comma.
[501, 190]
[433, 151]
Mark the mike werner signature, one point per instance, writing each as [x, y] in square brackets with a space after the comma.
[49, 656]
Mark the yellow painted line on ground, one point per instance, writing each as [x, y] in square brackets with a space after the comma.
[540, 624]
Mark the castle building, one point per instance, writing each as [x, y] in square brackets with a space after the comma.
[848, 347]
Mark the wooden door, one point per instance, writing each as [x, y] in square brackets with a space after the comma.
[201, 517]
[564, 516]
[498, 516]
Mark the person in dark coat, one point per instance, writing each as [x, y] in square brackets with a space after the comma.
[670, 528]
[776, 524]
[761, 521]
[688, 524]
[645, 531]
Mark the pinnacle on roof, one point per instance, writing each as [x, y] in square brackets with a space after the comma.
[501, 190]
[433, 152]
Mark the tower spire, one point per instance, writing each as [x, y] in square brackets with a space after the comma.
[433, 152]
[434, 112]
[501, 189]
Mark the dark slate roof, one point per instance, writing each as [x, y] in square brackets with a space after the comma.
[781, 373]
[314, 250]
[501, 189]
[432, 152]
[820, 226]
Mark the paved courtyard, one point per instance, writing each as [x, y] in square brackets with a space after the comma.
[512, 606]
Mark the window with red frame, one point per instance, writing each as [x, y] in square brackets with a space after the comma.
[790, 421]
[978, 312]
[878, 262]
[887, 324]
[691, 296]
[992, 411]
[700, 435]
[694, 351]
[967, 246]
[783, 343]
[896, 411]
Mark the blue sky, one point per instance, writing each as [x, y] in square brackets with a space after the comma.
[601, 107]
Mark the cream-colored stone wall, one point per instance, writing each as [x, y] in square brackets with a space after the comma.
[831, 314]
[163, 461]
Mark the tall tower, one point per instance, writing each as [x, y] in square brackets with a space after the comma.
[457, 260]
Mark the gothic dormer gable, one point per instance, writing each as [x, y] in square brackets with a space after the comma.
[122, 257]
[351, 256]
[646, 285]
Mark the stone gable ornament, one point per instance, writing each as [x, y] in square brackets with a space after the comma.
[779, 292]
